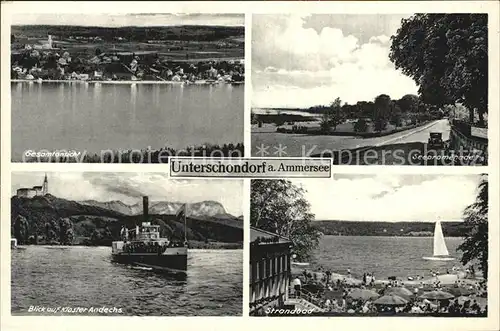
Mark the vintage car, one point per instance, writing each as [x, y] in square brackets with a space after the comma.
[435, 140]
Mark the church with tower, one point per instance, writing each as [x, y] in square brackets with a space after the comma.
[35, 190]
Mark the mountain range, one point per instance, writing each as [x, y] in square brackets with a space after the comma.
[204, 208]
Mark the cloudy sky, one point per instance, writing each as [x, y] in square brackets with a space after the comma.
[129, 19]
[130, 187]
[307, 60]
[391, 197]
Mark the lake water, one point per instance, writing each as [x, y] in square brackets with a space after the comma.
[384, 256]
[86, 277]
[95, 117]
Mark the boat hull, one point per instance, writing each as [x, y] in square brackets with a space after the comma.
[438, 258]
[172, 263]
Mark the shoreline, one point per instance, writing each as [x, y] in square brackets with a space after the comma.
[123, 82]
[220, 246]
[444, 279]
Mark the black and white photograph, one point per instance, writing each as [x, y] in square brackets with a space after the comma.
[128, 88]
[125, 244]
[384, 89]
[370, 245]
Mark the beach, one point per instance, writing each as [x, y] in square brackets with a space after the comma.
[457, 293]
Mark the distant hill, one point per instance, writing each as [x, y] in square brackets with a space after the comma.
[50, 206]
[358, 228]
[98, 223]
[117, 206]
[204, 208]
[133, 33]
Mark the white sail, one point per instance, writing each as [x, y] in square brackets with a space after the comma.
[439, 243]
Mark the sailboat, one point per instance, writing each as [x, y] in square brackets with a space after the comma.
[440, 250]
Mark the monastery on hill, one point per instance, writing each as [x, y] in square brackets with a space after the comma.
[35, 190]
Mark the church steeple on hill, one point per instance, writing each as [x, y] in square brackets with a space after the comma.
[45, 186]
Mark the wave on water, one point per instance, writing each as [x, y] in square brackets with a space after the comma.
[55, 276]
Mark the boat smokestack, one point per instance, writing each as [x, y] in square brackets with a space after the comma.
[145, 208]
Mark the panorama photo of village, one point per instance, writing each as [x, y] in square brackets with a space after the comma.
[355, 88]
[313, 254]
[133, 88]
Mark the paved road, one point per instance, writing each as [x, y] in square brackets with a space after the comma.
[420, 134]
[303, 145]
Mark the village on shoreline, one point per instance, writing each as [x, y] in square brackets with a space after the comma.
[217, 57]
[125, 82]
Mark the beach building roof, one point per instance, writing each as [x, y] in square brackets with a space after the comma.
[399, 291]
[363, 294]
[459, 291]
[390, 300]
[37, 187]
[264, 236]
[437, 295]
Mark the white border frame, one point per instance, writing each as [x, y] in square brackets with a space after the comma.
[74, 323]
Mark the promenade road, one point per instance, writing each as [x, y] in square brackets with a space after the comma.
[308, 145]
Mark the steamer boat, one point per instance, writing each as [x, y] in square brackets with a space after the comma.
[144, 247]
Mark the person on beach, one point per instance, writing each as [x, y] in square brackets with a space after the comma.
[297, 285]
[327, 304]
[328, 276]
[349, 272]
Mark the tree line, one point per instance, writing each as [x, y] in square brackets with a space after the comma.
[447, 57]
[133, 33]
[52, 221]
[408, 110]
[376, 228]
[53, 232]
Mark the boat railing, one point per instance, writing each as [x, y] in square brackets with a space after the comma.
[150, 247]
